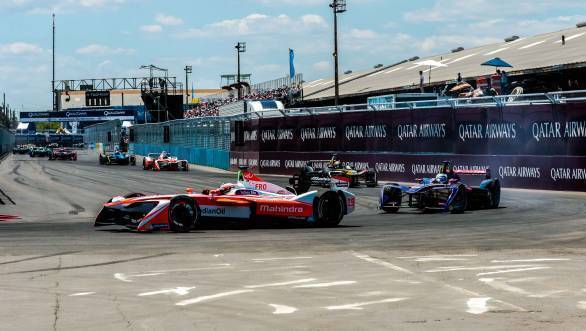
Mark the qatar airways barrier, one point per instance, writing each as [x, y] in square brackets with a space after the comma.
[526, 146]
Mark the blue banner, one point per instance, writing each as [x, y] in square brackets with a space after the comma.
[291, 63]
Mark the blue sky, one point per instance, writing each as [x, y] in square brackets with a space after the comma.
[112, 38]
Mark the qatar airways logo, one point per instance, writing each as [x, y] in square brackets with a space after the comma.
[281, 209]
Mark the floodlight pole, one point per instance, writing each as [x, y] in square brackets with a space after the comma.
[338, 7]
[188, 70]
[53, 92]
[240, 48]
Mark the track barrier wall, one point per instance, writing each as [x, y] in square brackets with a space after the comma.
[539, 146]
[6, 141]
[203, 142]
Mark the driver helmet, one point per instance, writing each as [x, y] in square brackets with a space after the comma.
[441, 178]
[225, 188]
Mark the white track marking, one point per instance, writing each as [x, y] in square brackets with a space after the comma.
[382, 263]
[359, 305]
[217, 267]
[177, 290]
[293, 282]
[282, 258]
[438, 259]
[547, 294]
[436, 256]
[581, 305]
[511, 270]
[371, 294]
[493, 267]
[319, 285]
[293, 273]
[529, 260]
[428, 279]
[148, 275]
[276, 268]
[281, 310]
[503, 286]
[122, 277]
[477, 305]
[211, 297]
[81, 294]
[218, 255]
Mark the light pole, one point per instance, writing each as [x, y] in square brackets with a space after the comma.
[188, 70]
[53, 92]
[338, 6]
[240, 48]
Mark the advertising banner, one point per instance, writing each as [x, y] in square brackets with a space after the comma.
[78, 116]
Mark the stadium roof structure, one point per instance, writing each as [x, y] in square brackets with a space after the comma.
[540, 53]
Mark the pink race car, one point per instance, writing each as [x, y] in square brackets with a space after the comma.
[250, 199]
[164, 161]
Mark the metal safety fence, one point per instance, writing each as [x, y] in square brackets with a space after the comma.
[107, 133]
[6, 141]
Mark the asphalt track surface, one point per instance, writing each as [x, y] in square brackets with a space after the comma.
[518, 267]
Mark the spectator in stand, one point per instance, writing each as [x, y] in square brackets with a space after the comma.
[212, 108]
[504, 83]
[459, 79]
[421, 81]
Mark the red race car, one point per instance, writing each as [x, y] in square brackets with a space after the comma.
[250, 199]
[63, 154]
[164, 161]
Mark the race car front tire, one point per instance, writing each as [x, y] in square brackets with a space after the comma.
[329, 210]
[184, 214]
[132, 161]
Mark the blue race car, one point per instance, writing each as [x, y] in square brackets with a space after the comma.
[445, 192]
[117, 157]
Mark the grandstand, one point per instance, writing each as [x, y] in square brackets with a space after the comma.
[543, 54]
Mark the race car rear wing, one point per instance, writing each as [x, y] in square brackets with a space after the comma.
[486, 172]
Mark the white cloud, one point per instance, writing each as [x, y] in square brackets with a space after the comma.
[97, 49]
[322, 66]
[258, 24]
[168, 20]
[20, 48]
[64, 6]
[155, 28]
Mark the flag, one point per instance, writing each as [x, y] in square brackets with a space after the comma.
[291, 64]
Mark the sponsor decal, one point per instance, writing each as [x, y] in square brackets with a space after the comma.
[519, 172]
[250, 136]
[488, 131]
[320, 133]
[213, 211]
[366, 131]
[425, 168]
[424, 130]
[270, 163]
[281, 209]
[244, 162]
[351, 202]
[280, 134]
[320, 180]
[390, 167]
[567, 174]
[553, 130]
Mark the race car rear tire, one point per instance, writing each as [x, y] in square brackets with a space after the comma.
[144, 165]
[102, 161]
[132, 161]
[329, 210]
[390, 210]
[495, 194]
[185, 167]
[184, 214]
[460, 203]
[371, 179]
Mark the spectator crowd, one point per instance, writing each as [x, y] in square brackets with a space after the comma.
[211, 107]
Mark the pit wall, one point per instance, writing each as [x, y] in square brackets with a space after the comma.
[526, 146]
[202, 156]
